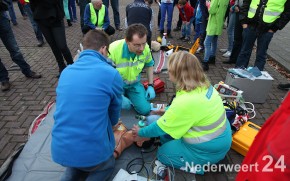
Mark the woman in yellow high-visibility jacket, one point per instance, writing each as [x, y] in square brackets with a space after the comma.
[194, 130]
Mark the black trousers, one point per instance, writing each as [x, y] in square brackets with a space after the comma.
[110, 30]
[55, 37]
[238, 40]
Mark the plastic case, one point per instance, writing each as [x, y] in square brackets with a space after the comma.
[243, 139]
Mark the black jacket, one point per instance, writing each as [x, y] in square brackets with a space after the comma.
[257, 20]
[48, 10]
[139, 12]
[4, 5]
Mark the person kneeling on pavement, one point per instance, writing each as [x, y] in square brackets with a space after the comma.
[131, 55]
[194, 129]
[96, 16]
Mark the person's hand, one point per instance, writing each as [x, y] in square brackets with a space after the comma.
[245, 26]
[78, 52]
[150, 93]
[184, 22]
[159, 112]
[137, 138]
[97, 28]
[187, 23]
[271, 31]
[126, 103]
[237, 9]
[135, 130]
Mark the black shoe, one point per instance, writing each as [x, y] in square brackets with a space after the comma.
[229, 62]
[284, 86]
[182, 38]
[5, 86]
[33, 75]
[205, 66]
[177, 28]
[40, 43]
[69, 22]
[211, 60]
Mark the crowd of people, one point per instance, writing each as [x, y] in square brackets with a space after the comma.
[194, 127]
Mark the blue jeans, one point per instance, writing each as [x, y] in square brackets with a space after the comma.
[72, 9]
[210, 45]
[250, 35]
[35, 27]
[10, 43]
[12, 12]
[186, 29]
[198, 31]
[166, 7]
[102, 171]
[231, 31]
[115, 7]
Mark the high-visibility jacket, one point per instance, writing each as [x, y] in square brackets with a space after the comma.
[128, 67]
[197, 116]
[101, 15]
[272, 10]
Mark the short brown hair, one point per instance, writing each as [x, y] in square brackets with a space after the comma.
[95, 40]
[187, 71]
[182, 2]
[134, 29]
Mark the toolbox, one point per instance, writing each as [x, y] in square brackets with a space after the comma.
[244, 137]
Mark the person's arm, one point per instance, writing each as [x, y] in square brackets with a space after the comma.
[152, 130]
[150, 74]
[281, 22]
[244, 12]
[106, 19]
[87, 17]
[116, 102]
[214, 5]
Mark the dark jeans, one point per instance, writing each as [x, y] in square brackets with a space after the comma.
[102, 171]
[110, 30]
[82, 4]
[250, 35]
[72, 10]
[238, 40]
[12, 12]
[55, 37]
[20, 6]
[115, 7]
[35, 27]
[8, 39]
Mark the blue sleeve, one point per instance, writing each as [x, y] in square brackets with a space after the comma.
[106, 19]
[87, 17]
[153, 130]
[116, 102]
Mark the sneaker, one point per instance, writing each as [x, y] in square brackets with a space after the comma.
[119, 28]
[223, 50]
[199, 50]
[33, 75]
[284, 86]
[5, 86]
[182, 38]
[186, 39]
[177, 28]
[227, 54]
[40, 43]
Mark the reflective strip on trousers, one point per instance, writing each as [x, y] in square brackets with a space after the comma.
[208, 127]
[207, 137]
[267, 13]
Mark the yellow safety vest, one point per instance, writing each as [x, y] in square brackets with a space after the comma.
[273, 10]
[27, 1]
[101, 15]
[197, 116]
[128, 68]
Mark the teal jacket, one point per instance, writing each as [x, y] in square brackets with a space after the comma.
[216, 19]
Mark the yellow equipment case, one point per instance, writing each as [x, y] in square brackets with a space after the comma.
[244, 137]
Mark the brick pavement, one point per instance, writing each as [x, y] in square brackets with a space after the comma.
[27, 98]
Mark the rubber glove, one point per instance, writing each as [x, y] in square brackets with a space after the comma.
[150, 93]
[126, 103]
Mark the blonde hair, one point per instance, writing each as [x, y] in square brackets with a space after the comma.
[186, 71]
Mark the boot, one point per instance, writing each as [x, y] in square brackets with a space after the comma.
[211, 60]
[69, 22]
[205, 66]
